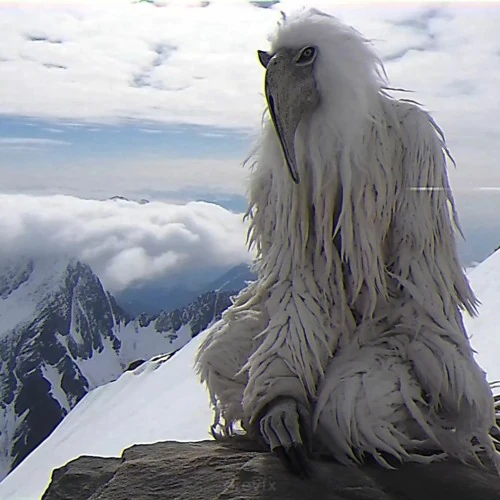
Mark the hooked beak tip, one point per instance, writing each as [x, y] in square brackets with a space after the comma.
[285, 139]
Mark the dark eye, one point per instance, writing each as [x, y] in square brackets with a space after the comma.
[306, 56]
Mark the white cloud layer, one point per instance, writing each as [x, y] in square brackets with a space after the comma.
[114, 60]
[124, 242]
[183, 63]
[30, 141]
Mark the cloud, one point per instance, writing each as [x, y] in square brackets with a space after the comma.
[118, 60]
[53, 130]
[123, 241]
[108, 61]
[113, 61]
[150, 130]
[30, 141]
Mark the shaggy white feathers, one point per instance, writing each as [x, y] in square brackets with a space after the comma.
[356, 310]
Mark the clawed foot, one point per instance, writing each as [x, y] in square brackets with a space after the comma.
[281, 428]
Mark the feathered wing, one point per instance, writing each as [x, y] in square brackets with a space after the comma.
[429, 289]
[404, 380]
[294, 345]
[279, 326]
[419, 326]
[224, 352]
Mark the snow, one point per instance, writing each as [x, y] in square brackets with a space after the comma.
[53, 377]
[144, 342]
[76, 307]
[102, 367]
[484, 330]
[160, 400]
[137, 343]
[20, 305]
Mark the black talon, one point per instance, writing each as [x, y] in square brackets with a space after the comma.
[294, 458]
[302, 458]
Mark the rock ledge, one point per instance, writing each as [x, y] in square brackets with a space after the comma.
[213, 470]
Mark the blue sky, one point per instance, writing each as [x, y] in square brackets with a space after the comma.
[46, 157]
[104, 98]
[103, 140]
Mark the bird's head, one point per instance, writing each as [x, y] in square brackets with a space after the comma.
[315, 62]
[291, 92]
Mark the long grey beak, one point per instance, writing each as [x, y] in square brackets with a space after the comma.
[285, 120]
[290, 93]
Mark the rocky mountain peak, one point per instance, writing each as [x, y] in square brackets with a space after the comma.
[62, 334]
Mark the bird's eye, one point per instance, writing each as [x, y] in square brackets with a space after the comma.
[306, 56]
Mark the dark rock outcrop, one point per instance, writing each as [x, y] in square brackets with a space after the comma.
[211, 470]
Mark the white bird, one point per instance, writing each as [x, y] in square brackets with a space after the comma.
[351, 341]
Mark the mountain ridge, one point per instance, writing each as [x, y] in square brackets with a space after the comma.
[164, 295]
[62, 335]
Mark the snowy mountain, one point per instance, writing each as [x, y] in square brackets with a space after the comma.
[162, 400]
[176, 292]
[142, 201]
[236, 278]
[153, 298]
[62, 335]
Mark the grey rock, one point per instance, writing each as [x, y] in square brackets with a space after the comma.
[83, 477]
[229, 471]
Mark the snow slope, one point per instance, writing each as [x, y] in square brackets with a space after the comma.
[484, 330]
[160, 400]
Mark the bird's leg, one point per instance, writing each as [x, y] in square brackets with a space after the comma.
[284, 429]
